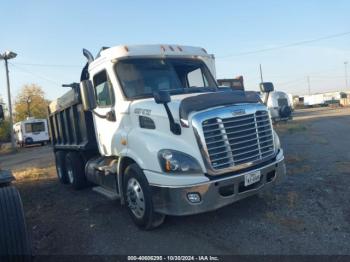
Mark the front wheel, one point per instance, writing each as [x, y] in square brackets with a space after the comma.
[138, 197]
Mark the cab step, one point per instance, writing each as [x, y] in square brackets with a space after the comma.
[106, 192]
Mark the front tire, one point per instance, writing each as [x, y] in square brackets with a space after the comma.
[76, 171]
[138, 197]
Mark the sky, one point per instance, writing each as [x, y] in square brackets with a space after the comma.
[48, 37]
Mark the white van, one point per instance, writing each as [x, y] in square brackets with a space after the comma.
[31, 131]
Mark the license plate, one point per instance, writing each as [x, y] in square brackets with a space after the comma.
[251, 178]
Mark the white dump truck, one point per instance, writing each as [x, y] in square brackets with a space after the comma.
[31, 131]
[148, 125]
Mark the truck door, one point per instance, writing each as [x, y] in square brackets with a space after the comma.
[105, 101]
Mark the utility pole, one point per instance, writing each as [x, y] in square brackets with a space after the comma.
[346, 74]
[28, 102]
[6, 56]
[261, 76]
[308, 85]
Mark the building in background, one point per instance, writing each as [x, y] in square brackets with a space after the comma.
[326, 99]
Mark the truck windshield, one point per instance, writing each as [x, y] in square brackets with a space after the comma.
[141, 77]
[34, 127]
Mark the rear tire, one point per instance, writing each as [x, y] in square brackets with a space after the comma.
[138, 196]
[28, 141]
[60, 157]
[76, 171]
[13, 232]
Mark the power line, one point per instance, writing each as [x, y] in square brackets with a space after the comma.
[47, 65]
[284, 46]
[35, 74]
[297, 80]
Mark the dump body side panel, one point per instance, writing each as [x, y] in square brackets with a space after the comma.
[71, 127]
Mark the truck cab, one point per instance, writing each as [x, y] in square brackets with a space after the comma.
[280, 106]
[160, 135]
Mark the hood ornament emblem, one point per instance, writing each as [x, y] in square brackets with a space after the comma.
[238, 112]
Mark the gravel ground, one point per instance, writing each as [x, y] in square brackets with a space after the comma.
[308, 214]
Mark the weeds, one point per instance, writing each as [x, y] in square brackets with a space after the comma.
[291, 128]
[34, 173]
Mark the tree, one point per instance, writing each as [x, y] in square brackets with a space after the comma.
[5, 129]
[30, 102]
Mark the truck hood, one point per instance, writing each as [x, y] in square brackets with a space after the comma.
[149, 107]
[181, 106]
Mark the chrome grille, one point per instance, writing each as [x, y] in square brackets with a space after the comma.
[238, 140]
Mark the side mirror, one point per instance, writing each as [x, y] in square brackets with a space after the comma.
[266, 87]
[87, 93]
[162, 97]
[2, 115]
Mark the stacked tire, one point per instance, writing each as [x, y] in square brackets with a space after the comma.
[14, 241]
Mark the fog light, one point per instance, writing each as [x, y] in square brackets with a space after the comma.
[194, 197]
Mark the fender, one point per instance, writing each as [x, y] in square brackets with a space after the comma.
[124, 160]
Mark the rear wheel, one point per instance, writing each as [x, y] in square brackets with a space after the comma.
[13, 233]
[61, 169]
[76, 170]
[28, 141]
[138, 196]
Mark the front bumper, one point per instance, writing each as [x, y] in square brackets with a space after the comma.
[172, 200]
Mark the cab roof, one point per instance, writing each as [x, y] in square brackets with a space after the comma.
[149, 50]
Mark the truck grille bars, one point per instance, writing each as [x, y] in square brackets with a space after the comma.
[238, 140]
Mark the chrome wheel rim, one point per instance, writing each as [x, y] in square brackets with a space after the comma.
[70, 175]
[59, 172]
[135, 198]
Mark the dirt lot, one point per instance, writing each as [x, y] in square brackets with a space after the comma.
[308, 214]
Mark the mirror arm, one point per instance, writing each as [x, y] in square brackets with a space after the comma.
[98, 115]
[174, 127]
[266, 98]
[110, 116]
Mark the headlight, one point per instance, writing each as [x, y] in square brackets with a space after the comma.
[276, 139]
[172, 161]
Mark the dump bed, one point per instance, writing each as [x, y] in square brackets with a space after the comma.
[71, 127]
